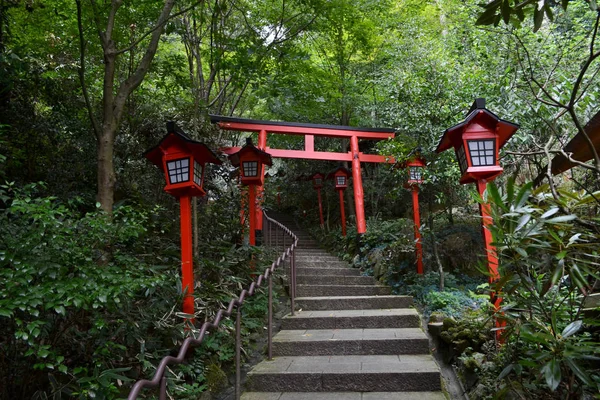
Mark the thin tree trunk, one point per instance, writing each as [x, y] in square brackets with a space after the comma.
[434, 246]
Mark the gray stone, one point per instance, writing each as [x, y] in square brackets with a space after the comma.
[320, 269]
[353, 302]
[341, 290]
[349, 319]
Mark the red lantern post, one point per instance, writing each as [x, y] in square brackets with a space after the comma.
[183, 162]
[341, 176]
[317, 180]
[415, 167]
[476, 142]
[251, 161]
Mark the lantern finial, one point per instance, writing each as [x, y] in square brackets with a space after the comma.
[478, 104]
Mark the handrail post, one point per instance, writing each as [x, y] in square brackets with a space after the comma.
[238, 346]
[293, 281]
[162, 394]
[270, 320]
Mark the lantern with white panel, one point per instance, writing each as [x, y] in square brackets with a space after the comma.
[251, 162]
[183, 161]
[415, 167]
[477, 141]
[340, 176]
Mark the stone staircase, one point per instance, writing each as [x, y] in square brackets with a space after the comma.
[349, 340]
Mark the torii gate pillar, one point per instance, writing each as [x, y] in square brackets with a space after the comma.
[359, 194]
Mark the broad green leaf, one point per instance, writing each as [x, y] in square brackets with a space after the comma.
[525, 218]
[538, 18]
[550, 212]
[507, 370]
[494, 194]
[505, 9]
[561, 219]
[488, 17]
[572, 328]
[551, 371]
[558, 272]
[579, 372]
[523, 195]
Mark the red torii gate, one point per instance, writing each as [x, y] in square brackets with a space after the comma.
[309, 131]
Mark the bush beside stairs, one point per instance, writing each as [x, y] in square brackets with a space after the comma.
[349, 340]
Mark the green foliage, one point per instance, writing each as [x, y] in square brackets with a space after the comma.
[549, 257]
[514, 12]
[76, 301]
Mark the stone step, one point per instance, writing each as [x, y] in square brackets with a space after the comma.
[325, 278]
[352, 319]
[316, 258]
[343, 271]
[311, 252]
[350, 342]
[392, 373]
[343, 396]
[353, 302]
[341, 290]
[324, 264]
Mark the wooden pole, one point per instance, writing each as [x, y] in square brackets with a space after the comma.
[252, 213]
[492, 255]
[187, 263]
[342, 211]
[417, 219]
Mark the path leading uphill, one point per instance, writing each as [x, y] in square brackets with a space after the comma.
[349, 340]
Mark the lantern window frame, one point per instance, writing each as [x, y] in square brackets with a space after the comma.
[178, 170]
[415, 173]
[198, 173]
[489, 154]
[250, 168]
[461, 156]
[340, 181]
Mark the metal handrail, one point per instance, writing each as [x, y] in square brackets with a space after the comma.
[159, 376]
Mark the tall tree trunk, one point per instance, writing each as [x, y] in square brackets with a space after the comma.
[114, 96]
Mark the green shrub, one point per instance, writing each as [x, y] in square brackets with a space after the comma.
[549, 257]
[75, 302]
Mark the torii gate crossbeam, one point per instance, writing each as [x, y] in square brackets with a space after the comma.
[309, 131]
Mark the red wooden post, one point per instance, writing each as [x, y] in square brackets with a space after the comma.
[342, 212]
[417, 219]
[320, 208]
[252, 212]
[492, 256]
[260, 190]
[243, 201]
[187, 263]
[359, 202]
